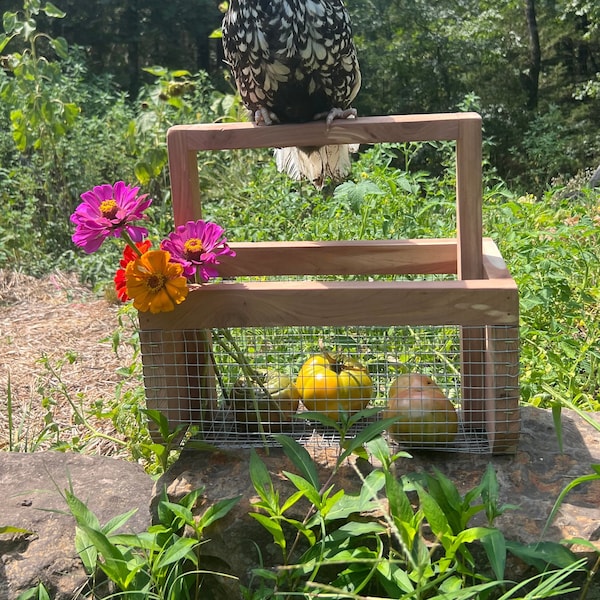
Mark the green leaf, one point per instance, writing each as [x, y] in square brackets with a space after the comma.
[217, 511]
[118, 521]
[53, 11]
[82, 514]
[9, 22]
[272, 526]
[191, 498]
[400, 506]
[303, 529]
[541, 554]
[558, 502]
[365, 435]
[300, 457]
[61, 47]
[10, 529]
[159, 419]
[155, 159]
[494, 545]
[4, 40]
[86, 550]
[261, 479]
[157, 71]
[380, 449]
[328, 503]
[216, 34]
[291, 501]
[405, 184]
[433, 513]
[556, 414]
[313, 415]
[305, 487]
[39, 592]
[183, 513]
[181, 549]
[114, 563]
[142, 172]
[29, 28]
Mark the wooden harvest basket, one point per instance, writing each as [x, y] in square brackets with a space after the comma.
[481, 303]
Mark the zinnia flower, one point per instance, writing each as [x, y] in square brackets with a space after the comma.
[109, 210]
[128, 256]
[155, 283]
[196, 245]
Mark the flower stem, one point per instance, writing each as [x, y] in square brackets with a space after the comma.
[125, 235]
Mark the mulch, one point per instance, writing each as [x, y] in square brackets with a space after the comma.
[55, 324]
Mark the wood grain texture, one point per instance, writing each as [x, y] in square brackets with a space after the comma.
[373, 257]
[340, 303]
[363, 130]
[502, 416]
[468, 200]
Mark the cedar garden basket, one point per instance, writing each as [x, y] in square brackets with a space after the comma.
[447, 308]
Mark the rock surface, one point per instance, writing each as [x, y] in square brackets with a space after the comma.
[30, 492]
[532, 479]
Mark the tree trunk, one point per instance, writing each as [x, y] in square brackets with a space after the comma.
[535, 55]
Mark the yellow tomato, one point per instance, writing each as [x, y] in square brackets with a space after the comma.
[327, 384]
[424, 415]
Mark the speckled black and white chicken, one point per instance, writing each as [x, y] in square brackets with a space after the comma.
[294, 61]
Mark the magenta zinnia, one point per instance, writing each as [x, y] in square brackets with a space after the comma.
[109, 210]
[197, 245]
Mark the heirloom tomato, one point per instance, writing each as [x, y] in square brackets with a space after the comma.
[270, 398]
[328, 383]
[424, 415]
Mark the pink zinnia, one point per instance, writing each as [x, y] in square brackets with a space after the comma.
[109, 210]
[196, 245]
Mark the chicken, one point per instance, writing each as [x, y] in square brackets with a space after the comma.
[294, 61]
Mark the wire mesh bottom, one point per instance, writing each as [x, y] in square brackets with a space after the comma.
[237, 387]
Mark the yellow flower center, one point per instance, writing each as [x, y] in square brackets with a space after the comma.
[109, 208]
[156, 282]
[193, 248]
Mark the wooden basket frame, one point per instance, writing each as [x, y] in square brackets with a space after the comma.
[483, 299]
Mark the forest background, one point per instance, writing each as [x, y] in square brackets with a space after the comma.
[532, 64]
[88, 91]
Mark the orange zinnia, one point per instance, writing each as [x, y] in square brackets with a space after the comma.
[154, 283]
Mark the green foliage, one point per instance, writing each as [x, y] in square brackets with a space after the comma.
[418, 545]
[160, 563]
[40, 112]
[39, 592]
[550, 249]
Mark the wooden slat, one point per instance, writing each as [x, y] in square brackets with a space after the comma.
[502, 389]
[340, 303]
[470, 263]
[494, 266]
[374, 257]
[364, 130]
[468, 200]
[185, 141]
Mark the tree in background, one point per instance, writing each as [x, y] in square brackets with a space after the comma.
[531, 68]
[122, 37]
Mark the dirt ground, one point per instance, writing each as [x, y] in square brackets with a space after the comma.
[54, 324]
